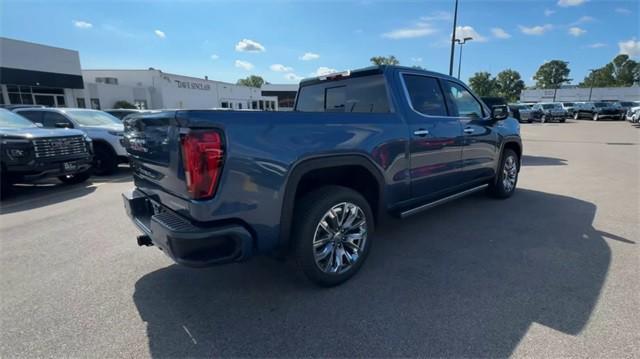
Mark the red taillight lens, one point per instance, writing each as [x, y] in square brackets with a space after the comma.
[202, 156]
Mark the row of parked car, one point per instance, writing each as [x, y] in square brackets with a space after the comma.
[561, 111]
[68, 143]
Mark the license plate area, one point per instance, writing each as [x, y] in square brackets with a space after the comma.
[69, 166]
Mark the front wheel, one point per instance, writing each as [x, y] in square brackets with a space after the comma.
[507, 177]
[332, 234]
[105, 161]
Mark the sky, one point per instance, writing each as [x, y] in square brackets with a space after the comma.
[284, 41]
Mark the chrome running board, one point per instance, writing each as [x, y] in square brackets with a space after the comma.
[444, 200]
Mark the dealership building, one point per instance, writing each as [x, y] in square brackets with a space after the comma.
[34, 74]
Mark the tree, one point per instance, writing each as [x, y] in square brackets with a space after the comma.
[382, 60]
[509, 84]
[483, 85]
[620, 72]
[124, 104]
[252, 81]
[552, 74]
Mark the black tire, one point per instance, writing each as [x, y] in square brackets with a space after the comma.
[563, 120]
[498, 187]
[76, 178]
[105, 161]
[5, 186]
[310, 212]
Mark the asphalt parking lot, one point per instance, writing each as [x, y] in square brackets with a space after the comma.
[552, 272]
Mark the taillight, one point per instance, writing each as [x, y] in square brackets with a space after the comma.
[202, 156]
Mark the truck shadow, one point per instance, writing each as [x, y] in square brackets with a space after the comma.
[542, 161]
[465, 280]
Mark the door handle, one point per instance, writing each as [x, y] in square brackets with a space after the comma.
[421, 132]
[469, 130]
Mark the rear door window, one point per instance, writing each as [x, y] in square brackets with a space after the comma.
[425, 95]
[367, 94]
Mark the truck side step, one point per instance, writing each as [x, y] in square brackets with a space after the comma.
[444, 200]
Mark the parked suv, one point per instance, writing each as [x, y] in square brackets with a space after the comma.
[104, 129]
[29, 152]
[569, 107]
[215, 187]
[549, 111]
[598, 111]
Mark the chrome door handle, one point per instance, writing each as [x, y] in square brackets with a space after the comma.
[421, 132]
[469, 130]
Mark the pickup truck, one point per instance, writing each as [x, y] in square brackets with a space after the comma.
[215, 187]
[29, 152]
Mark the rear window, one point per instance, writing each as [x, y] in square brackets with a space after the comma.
[365, 94]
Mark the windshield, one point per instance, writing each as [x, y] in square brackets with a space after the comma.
[601, 104]
[568, 103]
[549, 106]
[626, 104]
[92, 118]
[10, 119]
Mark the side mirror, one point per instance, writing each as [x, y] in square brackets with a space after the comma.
[63, 125]
[499, 112]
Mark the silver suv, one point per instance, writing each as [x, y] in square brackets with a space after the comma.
[105, 131]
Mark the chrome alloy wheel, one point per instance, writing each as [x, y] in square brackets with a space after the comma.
[509, 173]
[340, 238]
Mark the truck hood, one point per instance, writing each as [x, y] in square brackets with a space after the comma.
[114, 127]
[36, 132]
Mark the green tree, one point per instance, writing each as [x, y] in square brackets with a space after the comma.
[383, 60]
[620, 72]
[552, 74]
[483, 85]
[252, 81]
[124, 104]
[509, 84]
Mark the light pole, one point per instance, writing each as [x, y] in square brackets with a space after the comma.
[453, 39]
[591, 87]
[462, 42]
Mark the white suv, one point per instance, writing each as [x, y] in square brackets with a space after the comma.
[105, 131]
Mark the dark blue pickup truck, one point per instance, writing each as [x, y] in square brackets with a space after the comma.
[215, 187]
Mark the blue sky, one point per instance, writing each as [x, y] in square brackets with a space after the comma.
[227, 40]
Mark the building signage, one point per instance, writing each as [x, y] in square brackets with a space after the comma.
[192, 85]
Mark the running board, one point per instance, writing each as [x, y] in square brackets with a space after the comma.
[444, 200]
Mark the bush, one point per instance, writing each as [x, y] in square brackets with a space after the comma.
[124, 104]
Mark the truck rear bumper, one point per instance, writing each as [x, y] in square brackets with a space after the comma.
[184, 242]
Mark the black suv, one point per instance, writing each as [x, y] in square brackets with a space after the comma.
[598, 111]
[29, 152]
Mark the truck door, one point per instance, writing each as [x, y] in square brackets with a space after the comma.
[436, 138]
[480, 149]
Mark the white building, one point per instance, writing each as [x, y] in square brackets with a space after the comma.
[154, 89]
[577, 94]
[44, 75]
[285, 93]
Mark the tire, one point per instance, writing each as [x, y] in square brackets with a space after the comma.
[509, 167]
[563, 120]
[543, 119]
[314, 209]
[105, 162]
[5, 186]
[76, 178]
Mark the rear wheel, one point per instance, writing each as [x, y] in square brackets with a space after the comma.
[507, 177]
[332, 234]
[105, 161]
[75, 178]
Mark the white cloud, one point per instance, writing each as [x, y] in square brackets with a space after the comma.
[420, 30]
[280, 68]
[82, 24]
[583, 20]
[535, 30]
[437, 16]
[293, 77]
[500, 33]
[308, 56]
[246, 45]
[567, 3]
[214, 57]
[323, 70]
[468, 31]
[576, 31]
[549, 12]
[621, 10]
[596, 45]
[160, 34]
[416, 59]
[247, 66]
[630, 47]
